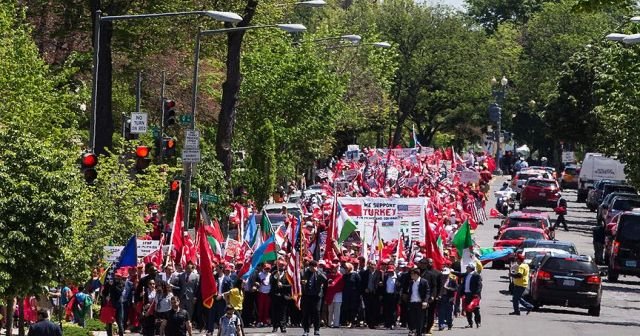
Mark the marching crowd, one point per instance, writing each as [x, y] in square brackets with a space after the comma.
[422, 289]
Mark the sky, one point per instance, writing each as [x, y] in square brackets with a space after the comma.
[458, 4]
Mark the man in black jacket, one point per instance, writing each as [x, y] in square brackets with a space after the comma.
[44, 327]
[434, 277]
[312, 284]
[470, 287]
[371, 285]
[280, 294]
[419, 293]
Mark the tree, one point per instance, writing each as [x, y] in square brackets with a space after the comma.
[264, 162]
[492, 13]
[441, 73]
[37, 201]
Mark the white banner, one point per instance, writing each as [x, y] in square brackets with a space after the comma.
[469, 176]
[390, 214]
[143, 247]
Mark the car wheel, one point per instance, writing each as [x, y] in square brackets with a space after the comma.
[612, 276]
[594, 311]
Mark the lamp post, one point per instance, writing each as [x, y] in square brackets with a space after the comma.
[287, 27]
[355, 39]
[219, 16]
[498, 90]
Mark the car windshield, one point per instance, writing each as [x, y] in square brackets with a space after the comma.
[565, 247]
[614, 188]
[570, 171]
[541, 183]
[521, 234]
[629, 228]
[570, 265]
[626, 204]
[525, 222]
[293, 211]
[525, 177]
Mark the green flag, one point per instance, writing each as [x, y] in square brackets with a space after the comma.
[265, 226]
[462, 239]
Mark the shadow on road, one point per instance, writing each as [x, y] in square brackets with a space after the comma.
[611, 323]
[561, 311]
[620, 289]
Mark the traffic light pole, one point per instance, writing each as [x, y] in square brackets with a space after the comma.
[194, 100]
[138, 91]
[161, 136]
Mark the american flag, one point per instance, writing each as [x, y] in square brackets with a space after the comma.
[293, 276]
[402, 181]
[409, 210]
[477, 212]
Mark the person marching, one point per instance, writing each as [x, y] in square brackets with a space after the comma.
[419, 293]
[312, 284]
[520, 282]
[471, 288]
[280, 293]
[447, 299]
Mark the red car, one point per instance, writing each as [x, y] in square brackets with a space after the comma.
[540, 192]
[514, 236]
[528, 218]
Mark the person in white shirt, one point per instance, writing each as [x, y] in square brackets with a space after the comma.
[263, 299]
[419, 293]
[390, 297]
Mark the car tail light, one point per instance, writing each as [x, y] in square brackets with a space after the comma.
[616, 247]
[594, 280]
[544, 275]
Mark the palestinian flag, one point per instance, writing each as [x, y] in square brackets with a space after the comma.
[346, 225]
[213, 232]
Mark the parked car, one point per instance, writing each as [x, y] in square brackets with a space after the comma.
[620, 204]
[566, 246]
[624, 246]
[532, 257]
[570, 281]
[528, 218]
[606, 203]
[513, 237]
[569, 177]
[521, 178]
[596, 166]
[540, 192]
[595, 195]
[550, 170]
[276, 208]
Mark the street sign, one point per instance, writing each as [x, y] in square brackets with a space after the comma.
[185, 119]
[192, 139]
[191, 150]
[568, 157]
[138, 123]
[206, 198]
[155, 130]
[191, 156]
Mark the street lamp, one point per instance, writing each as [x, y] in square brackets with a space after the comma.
[287, 27]
[219, 16]
[355, 39]
[616, 37]
[498, 92]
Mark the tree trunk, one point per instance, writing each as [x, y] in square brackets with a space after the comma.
[230, 90]
[104, 118]
[397, 133]
[9, 317]
[20, 316]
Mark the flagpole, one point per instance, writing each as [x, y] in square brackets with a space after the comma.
[173, 229]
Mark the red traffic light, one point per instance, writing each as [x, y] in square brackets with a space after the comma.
[142, 151]
[169, 104]
[175, 185]
[89, 160]
[170, 143]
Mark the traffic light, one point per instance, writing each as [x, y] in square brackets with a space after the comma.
[142, 158]
[88, 162]
[174, 188]
[169, 108]
[169, 147]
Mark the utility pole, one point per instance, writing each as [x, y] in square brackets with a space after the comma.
[138, 91]
[161, 135]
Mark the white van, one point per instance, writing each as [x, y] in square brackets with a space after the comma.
[596, 167]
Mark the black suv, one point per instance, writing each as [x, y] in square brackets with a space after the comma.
[570, 281]
[623, 247]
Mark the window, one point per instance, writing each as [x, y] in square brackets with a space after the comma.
[541, 183]
[629, 228]
[522, 234]
[570, 265]
[626, 204]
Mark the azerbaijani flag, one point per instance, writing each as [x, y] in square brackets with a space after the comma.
[346, 225]
[266, 252]
[265, 226]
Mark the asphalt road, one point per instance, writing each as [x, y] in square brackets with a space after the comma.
[620, 302]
